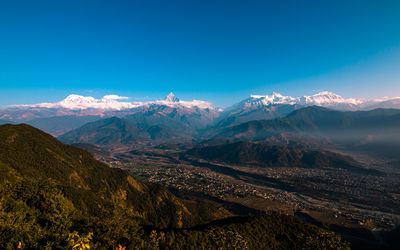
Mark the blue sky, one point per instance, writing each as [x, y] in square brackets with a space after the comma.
[220, 51]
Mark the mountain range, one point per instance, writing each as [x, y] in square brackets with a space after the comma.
[116, 132]
[375, 132]
[323, 120]
[114, 105]
[194, 114]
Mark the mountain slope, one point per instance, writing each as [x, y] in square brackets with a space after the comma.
[257, 154]
[251, 110]
[185, 119]
[364, 130]
[316, 119]
[116, 132]
[91, 185]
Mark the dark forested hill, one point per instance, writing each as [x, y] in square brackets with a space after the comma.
[375, 132]
[32, 161]
[258, 154]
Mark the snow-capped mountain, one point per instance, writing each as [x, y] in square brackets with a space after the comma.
[78, 102]
[329, 99]
[264, 100]
[172, 101]
[324, 99]
[171, 98]
[112, 102]
[275, 105]
[170, 112]
[256, 106]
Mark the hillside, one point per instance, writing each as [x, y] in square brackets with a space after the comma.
[185, 119]
[30, 158]
[248, 110]
[258, 154]
[375, 132]
[117, 132]
[98, 152]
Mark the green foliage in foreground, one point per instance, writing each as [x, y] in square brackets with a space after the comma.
[37, 214]
[258, 232]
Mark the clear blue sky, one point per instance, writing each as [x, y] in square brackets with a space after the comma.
[220, 51]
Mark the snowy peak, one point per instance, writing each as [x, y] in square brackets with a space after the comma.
[276, 94]
[171, 98]
[273, 98]
[107, 103]
[328, 99]
[324, 98]
[114, 102]
[75, 99]
[77, 102]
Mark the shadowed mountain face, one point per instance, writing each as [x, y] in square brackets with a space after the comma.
[317, 119]
[364, 130]
[261, 155]
[187, 120]
[91, 186]
[122, 132]
[243, 112]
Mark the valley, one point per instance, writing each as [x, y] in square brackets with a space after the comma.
[352, 199]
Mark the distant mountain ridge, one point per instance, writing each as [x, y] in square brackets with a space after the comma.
[323, 99]
[116, 132]
[111, 102]
[114, 105]
[376, 131]
[251, 110]
[74, 111]
[262, 155]
[312, 126]
[173, 119]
